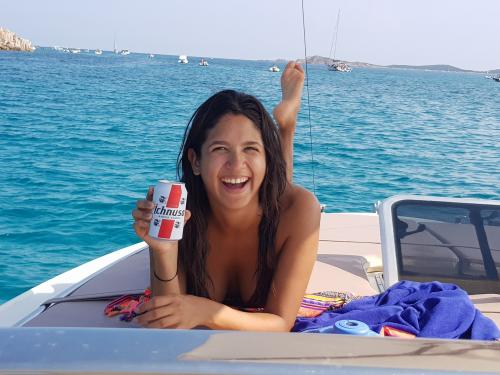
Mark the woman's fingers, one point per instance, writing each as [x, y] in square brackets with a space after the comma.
[149, 195]
[152, 304]
[138, 214]
[143, 214]
[187, 216]
[141, 226]
[156, 312]
[144, 204]
[141, 229]
[154, 316]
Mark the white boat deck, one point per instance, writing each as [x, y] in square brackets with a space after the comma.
[349, 250]
[349, 256]
[349, 259]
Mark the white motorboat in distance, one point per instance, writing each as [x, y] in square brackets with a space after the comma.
[183, 59]
[98, 52]
[274, 69]
[124, 52]
[203, 62]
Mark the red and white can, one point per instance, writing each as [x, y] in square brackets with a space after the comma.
[168, 215]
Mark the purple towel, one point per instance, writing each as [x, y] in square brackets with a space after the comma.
[432, 309]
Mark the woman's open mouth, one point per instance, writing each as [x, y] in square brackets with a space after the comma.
[235, 184]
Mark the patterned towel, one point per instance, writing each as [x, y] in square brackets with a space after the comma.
[315, 304]
[125, 305]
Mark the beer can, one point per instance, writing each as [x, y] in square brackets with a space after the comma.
[168, 215]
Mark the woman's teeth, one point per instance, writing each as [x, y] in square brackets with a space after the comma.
[235, 181]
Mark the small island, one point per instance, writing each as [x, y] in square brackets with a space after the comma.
[9, 41]
[320, 60]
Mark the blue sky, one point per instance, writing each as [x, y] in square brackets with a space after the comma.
[456, 32]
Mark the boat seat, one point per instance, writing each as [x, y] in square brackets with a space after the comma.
[349, 248]
[131, 275]
[352, 234]
[489, 305]
[78, 314]
[452, 240]
[340, 273]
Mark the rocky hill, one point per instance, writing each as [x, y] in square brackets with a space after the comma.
[325, 60]
[445, 68]
[11, 42]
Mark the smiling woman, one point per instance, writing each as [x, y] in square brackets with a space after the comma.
[247, 242]
[232, 162]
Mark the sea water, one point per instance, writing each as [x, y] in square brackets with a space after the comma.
[83, 136]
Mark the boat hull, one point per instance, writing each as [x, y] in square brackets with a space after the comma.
[224, 352]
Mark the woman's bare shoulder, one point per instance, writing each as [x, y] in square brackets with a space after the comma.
[297, 198]
[300, 210]
[299, 217]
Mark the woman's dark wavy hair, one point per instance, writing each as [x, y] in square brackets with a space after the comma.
[193, 248]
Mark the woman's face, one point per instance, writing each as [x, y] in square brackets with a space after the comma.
[233, 162]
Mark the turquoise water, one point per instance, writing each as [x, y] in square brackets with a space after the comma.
[82, 136]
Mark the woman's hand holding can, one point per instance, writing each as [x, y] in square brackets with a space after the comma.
[144, 218]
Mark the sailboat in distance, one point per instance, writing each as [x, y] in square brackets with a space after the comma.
[336, 65]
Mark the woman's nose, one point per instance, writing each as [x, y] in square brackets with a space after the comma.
[235, 160]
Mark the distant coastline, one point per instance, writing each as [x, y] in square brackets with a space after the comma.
[9, 41]
[320, 60]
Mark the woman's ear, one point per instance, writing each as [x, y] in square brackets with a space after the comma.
[195, 162]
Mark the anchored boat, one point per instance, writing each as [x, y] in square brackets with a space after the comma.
[336, 65]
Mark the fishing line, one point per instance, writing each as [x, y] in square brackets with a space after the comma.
[308, 101]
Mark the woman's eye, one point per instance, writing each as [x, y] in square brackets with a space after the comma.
[219, 148]
[252, 149]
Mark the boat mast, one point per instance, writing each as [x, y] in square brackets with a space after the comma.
[334, 39]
